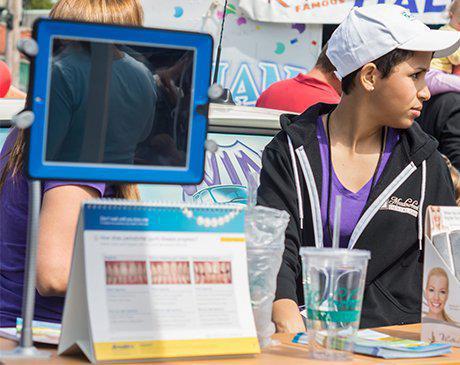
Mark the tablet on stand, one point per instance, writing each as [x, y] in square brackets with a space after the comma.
[114, 104]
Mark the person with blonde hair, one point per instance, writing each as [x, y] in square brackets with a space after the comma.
[436, 294]
[61, 201]
[441, 78]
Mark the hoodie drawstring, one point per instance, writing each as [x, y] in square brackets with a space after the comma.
[420, 209]
[300, 204]
[297, 181]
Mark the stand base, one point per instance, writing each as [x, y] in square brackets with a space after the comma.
[19, 353]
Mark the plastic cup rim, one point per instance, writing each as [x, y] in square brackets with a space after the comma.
[326, 251]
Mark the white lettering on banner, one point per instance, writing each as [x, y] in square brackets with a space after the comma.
[408, 206]
[244, 86]
[334, 11]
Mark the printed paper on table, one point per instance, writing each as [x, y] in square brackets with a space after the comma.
[152, 281]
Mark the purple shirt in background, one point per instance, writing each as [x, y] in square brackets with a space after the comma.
[439, 82]
[13, 239]
[352, 203]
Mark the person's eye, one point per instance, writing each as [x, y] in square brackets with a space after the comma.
[431, 290]
[443, 292]
[416, 75]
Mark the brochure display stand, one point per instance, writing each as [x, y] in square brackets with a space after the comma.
[155, 281]
[441, 276]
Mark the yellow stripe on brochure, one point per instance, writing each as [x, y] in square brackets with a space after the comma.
[106, 351]
[233, 239]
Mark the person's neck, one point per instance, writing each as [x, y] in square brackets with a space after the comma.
[328, 78]
[353, 125]
[438, 316]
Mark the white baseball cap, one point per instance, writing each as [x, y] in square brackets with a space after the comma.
[372, 31]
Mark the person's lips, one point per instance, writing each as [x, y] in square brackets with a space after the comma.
[435, 304]
[415, 112]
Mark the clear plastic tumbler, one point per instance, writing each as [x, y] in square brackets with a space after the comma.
[265, 229]
[333, 281]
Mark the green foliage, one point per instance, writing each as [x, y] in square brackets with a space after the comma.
[38, 4]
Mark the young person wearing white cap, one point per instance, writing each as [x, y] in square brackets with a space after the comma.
[367, 149]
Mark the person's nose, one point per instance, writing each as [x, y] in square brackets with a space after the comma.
[424, 94]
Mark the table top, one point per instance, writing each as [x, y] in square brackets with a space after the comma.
[286, 353]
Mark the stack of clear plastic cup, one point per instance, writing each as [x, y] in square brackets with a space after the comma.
[333, 281]
[264, 230]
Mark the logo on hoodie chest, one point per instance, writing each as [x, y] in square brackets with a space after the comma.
[407, 206]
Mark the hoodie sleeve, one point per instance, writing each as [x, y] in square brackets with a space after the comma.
[277, 190]
[440, 188]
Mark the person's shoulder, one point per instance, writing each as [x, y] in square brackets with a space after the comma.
[446, 102]
[269, 97]
[71, 66]
[281, 85]
[72, 58]
[447, 97]
[278, 143]
[136, 64]
[138, 74]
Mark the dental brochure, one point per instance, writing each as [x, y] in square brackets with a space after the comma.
[43, 332]
[156, 281]
[441, 276]
[373, 343]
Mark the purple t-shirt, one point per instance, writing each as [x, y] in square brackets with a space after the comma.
[13, 239]
[352, 203]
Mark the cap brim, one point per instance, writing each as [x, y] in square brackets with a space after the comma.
[442, 42]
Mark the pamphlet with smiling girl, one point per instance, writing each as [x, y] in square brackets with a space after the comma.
[441, 284]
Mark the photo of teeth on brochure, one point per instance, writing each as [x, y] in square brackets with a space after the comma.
[161, 282]
[441, 276]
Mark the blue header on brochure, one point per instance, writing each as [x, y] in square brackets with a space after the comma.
[168, 219]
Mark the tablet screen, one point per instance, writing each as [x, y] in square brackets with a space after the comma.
[118, 104]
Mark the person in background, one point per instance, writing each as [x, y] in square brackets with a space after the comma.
[7, 90]
[15, 93]
[5, 79]
[440, 118]
[61, 201]
[304, 90]
[455, 175]
[443, 77]
[368, 150]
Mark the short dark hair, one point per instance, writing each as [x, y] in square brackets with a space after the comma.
[385, 65]
[323, 62]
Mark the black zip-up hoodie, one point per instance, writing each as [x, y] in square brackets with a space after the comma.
[390, 227]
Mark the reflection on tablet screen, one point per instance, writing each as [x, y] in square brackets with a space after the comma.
[117, 103]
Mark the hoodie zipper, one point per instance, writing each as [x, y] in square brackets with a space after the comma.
[313, 195]
[378, 203]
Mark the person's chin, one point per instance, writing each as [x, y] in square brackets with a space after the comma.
[403, 123]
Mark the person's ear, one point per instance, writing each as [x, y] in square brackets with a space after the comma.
[368, 76]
